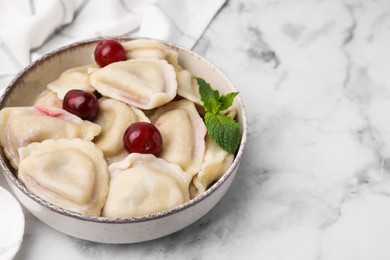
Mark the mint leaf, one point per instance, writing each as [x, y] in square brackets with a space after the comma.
[224, 130]
[227, 100]
[214, 102]
[208, 96]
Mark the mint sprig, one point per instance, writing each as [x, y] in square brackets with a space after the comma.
[224, 130]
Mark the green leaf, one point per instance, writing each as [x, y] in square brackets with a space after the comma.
[209, 96]
[227, 100]
[224, 130]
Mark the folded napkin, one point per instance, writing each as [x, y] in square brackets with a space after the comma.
[30, 28]
[11, 225]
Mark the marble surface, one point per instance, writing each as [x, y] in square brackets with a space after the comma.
[315, 178]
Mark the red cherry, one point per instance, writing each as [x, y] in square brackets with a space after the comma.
[81, 103]
[109, 51]
[142, 137]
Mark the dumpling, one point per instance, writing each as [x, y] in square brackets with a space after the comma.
[216, 163]
[74, 78]
[143, 83]
[114, 117]
[187, 87]
[183, 132]
[143, 184]
[48, 98]
[70, 173]
[21, 126]
[143, 48]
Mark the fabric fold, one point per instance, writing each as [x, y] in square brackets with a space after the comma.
[40, 26]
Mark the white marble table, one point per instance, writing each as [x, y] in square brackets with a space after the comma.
[315, 179]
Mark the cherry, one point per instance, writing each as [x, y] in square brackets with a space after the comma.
[81, 103]
[142, 137]
[109, 51]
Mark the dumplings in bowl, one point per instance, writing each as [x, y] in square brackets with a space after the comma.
[70, 173]
[77, 176]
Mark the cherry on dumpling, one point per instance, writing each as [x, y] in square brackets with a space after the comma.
[143, 137]
[81, 103]
[109, 51]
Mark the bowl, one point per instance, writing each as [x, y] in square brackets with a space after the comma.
[33, 79]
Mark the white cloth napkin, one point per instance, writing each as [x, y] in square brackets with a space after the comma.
[30, 28]
[11, 225]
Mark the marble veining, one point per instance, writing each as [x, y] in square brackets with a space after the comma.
[315, 178]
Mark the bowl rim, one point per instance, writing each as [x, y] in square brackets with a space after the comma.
[5, 166]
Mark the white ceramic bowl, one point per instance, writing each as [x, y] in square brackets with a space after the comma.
[30, 82]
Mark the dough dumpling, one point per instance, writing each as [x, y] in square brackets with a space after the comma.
[74, 78]
[48, 98]
[143, 48]
[216, 163]
[115, 117]
[187, 87]
[143, 83]
[21, 126]
[143, 184]
[70, 173]
[183, 132]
